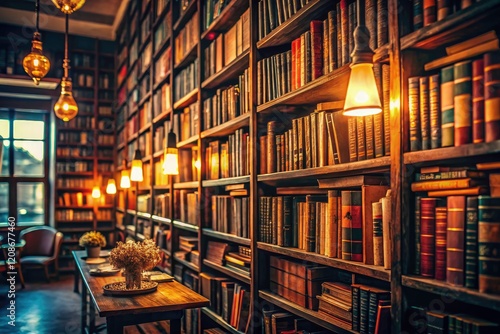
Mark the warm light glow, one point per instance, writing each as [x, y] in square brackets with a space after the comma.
[362, 97]
[171, 162]
[125, 179]
[197, 164]
[111, 187]
[35, 64]
[66, 107]
[68, 6]
[96, 192]
[136, 171]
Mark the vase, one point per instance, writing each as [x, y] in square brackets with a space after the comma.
[93, 252]
[133, 279]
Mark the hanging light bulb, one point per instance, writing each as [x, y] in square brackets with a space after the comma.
[136, 169]
[68, 6]
[96, 192]
[125, 179]
[111, 187]
[362, 98]
[35, 63]
[66, 107]
[171, 156]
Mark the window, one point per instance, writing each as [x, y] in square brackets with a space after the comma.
[24, 168]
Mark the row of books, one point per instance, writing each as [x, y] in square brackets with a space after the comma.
[186, 38]
[186, 210]
[74, 152]
[74, 166]
[162, 205]
[229, 158]
[83, 80]
[279, 321]
[74, 137]
[104, 139]
[230, 215]
[83, 93]
[227, 103]
[274, 13]
[186, 276]
[228, 299]
[74, 182]
[145, 26]
[186, 81]
[427, 12]
[350, 225]
[75, 198]
[104, 214]
[162, 65]
[70, 214]
[163, 31]
[227, 46]
[212, 10]
[161, 179]
[189, 122]
[454, 107]
[162, 100]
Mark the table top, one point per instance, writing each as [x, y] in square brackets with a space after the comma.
[170, 296]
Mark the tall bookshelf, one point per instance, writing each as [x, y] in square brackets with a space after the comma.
[152, 100]
[85, 149]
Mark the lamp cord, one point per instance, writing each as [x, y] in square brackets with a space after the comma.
[37, 6]
[66, 60]
[361, 12]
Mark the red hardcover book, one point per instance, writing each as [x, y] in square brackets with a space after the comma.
[352, 227]
[316, 49]
[427, 236]
[441, 223]
[429, 12]
[478, 101]
[294, 64]
[492, 96]
[463, 102]
[298, 63]
[455, 240]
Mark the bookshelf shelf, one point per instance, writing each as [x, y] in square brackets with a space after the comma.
[60, 144]
[476, 19]
[226, 236]
[145, 128]
[226, 19]
[145, 42]
[140, 236]
[313, 316]
[132, 137]
[161, 17]
[187, 99]
[181, 21]
[296, 25]
[228, 127]
[161, 220]
[122, 210]
[439, 155]
[352, 266]
[186, 226]
[143, 215]
[159, 84]
[453, 292]
[62, 158]
[131, 212]
[186, 185]
[226, 181]
[162, 117]
[309, 175]
[228, 272]
[161, 187]
[188, 57]
[219, 321]
[158, 154]
[316, 91]
[190, 142]
[68, 221]
[75, 174]
[88, 207]
[188, 264]
[228, 72]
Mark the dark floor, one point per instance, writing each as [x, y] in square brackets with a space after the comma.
[41, 308]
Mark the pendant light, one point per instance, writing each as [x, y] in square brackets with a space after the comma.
[66, 107]
[111, 187]
[136, 169]
[125, 179]
[171, 156]
[362, 97]
[96, 192]
[68, 6]
[35, 63]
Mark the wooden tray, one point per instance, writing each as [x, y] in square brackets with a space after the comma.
[97, 272]
[111, 290]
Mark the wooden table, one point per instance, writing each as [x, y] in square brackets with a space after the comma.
[167, 303]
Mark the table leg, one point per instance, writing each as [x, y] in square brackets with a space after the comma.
[175, 326]
[83, 318]
[92, 328]
[114, 325]
[77, 279]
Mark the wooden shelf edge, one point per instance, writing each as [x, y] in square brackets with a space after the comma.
[227, 17]
[226, 236]
[227, 127]
[162, 220]
[187, 58]
[187, 14]
[162, 116]
[188, 264]
[187, 99]
[228, 72]
[225, 270]
[186, 226]
[218, 319]
[355, 267]
[192, 141]
[226, 181]
[186, 185]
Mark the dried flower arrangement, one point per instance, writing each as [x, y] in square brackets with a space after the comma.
[92, 239]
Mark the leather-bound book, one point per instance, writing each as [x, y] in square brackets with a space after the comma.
[382, 23]
[355, 288]
[427, 236]
[352, 229]
[360, 131]
[418, 17]
[353, 139]
[478, 101]
[370, 194]
[344, 20]
[376, 295]
[371, 21]
[378, 119]
[463, 102]
[414, 109]
[316, 49]
[378, 241]
[416, 240]
[429, 7]
[455, 240]
[425, 126]
[271, 147]
[386, 229]
[447, 107]
[333, 29]
[364, 305]
[435, 111]
[369, 134]
[489, 244]
[492, 96]
[441, 223]
[444, 8]
[331, 226]
[326, 46]
[471, 258]
[386, 110]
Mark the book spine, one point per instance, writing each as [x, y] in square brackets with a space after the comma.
[280, 221]
[344, 20]
[316, 49]
[447, 107]
[471, 269]
[332, 41]
[364, 300]
[455, 240]
[489, 244]
[413, 103]
[429, 7]
[444, 8]
[331, 224]
[293, 74]
[371, 21]
[311, 224]
[326, 45]
[427, 236]
[308, 56]
[302, 60]
[370, 151]
[263, 154]
[378, 119]
[355, 308]
[386, 229]
[463, 102]
[287, 221]
[271, 147]
[352, 232]
[351, 24]
[338, 26]
[353, 143]
[386, 94]
[382, 23]
[378, 241]
[492, 96]
[425, 127]
[418, 20]
[434, 111]
[478, 101]
[441, 223]
[416, 241]
[360, 129]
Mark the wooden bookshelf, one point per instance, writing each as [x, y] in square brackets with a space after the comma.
[221, 322]
[228, 72]
[188, 58]
[190, 142]
[187, 99]
[226, 181]
[186, 185]
[187, 264]
[228, 127]
[226, 236]
[226, 19]
[228, 271]
[161, 220]
[188, 12]
[185, 226]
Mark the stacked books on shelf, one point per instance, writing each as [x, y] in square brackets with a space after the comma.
[187, 210]
[426, 13]
[186, 80]
[279, 321]
[186, 39]
[163, 31]
[230, 214]
[189, 121]
[230, 158]
[162, 205]
[216, 251]
[75, 198]
[162, 68]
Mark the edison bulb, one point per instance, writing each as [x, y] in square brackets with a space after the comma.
[66, 107]
[35, 64]
[68, 6]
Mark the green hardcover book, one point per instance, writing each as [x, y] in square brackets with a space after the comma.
[425, 126]
[471, 270]
[364, 305]
[355, 306]
[462, 74]
[447, 107]
[414, 107]
[489, 244]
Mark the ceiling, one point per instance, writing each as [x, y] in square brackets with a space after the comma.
[97, 18]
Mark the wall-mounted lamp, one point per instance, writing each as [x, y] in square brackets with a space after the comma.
[171, 156]
[362, 98]
[136, 174]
